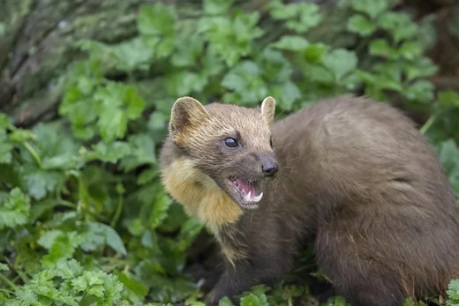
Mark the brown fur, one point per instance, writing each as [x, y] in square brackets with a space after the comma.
[353, 172]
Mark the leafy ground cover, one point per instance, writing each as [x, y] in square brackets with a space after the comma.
[84, 219]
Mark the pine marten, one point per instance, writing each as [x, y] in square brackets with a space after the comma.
[355, 172]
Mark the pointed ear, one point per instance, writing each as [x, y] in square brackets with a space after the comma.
[268, 108]
[186, 113]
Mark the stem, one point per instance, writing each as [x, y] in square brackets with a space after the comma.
[428, 124]
[7, 281]
[33, 152]
[66, 203]
[119, 209]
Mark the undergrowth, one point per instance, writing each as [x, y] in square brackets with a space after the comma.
[84, 219]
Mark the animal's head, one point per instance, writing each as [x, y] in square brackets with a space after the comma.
[230, 144]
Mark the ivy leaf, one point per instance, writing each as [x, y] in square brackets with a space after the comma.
[361, 25]
[14, 209]
[340, 62]
[373, 8]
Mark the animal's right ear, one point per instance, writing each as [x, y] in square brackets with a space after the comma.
[186, 113]
[268, 108]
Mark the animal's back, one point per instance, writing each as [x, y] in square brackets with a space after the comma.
[385, 214]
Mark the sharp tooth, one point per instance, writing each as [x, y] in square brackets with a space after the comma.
[258, 198]
[248, 197]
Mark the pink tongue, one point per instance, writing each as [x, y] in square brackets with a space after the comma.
[245, 188]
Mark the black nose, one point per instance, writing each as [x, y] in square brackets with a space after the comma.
[269, 168]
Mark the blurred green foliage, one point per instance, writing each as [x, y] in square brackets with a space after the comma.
[84, 219]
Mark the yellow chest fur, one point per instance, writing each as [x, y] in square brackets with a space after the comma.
[199, 194]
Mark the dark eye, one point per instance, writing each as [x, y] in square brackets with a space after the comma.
[231, 142]
[271, 142]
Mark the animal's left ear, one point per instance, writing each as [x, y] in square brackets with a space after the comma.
[268, 108]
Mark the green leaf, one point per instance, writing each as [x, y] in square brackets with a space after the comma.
[183, 83]
[159, 209]
[399, 25]
[135, 286]
[423, 67]
[231, 39]
[14, 209]
[5, 121]
[118, 104]
[99, 234]
[410, 50]
[453, 292]
[254, 300]
[142, 150]
[373, 8]
[158, 19]
[361, 25]
[108, 152]
[337, 301]
[63, 246]
[449, 99]
[4, 267]
[214, 7]
[225, 302]
[316, 52]
[47, 239]
[68, 269]
[340, 62]
[299, 17]
[420, 90]
[291, 42]
[5, 149]
[40, 182]
[381, 47]
[245, 80]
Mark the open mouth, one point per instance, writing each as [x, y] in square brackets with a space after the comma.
[247, 191]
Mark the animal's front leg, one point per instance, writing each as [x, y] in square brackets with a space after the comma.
[242, 275]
